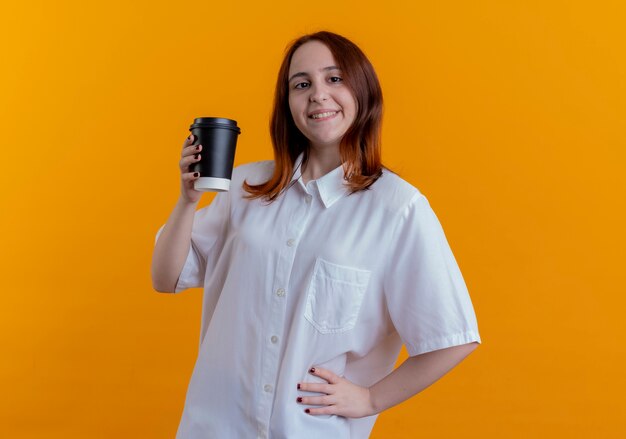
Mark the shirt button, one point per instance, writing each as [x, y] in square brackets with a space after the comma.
[307, 199]
[267, 388]
[291, 242]
[280, 292]
[274, 339]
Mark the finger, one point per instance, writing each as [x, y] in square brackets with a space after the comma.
[189, 140]
[186, 161]
[316, 387]
[191, 149]
[326, 374]
[190, 176]
[328, 410]
[316, 400]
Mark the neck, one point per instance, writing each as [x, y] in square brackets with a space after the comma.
[320, 162]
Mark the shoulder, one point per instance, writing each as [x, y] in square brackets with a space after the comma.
[253, 173]
[409, 210]
[395, 193]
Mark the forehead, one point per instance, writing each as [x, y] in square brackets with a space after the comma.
[311, 57]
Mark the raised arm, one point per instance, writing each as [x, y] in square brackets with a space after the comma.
[172, 246]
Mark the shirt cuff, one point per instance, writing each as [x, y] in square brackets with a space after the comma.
[448, 341]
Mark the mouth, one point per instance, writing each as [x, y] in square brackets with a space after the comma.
[327, 114]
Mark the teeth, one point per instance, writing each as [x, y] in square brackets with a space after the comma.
[321, 115]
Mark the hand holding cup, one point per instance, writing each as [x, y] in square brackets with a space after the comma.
[190, 155]
[219, 137]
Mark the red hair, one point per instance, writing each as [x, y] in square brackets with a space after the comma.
[360, 146]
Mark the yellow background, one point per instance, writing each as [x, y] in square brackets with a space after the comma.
[508, 115]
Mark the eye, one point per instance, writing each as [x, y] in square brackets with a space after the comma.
[335, 79]
[301, 85]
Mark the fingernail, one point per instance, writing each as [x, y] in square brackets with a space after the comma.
[307, 411]
[299, 399]
[196, 156]
[312, 370]
[195, 174]
[197, 147]
[298, 386]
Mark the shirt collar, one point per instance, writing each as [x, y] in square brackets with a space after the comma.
[331, 186]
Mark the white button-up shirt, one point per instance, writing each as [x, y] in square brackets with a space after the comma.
[317, 278]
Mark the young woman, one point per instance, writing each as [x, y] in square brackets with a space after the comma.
[316, 267]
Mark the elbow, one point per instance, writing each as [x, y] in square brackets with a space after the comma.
[470, 347]
[159, 289]
[160, 281]
[162, 287]
[463, 351]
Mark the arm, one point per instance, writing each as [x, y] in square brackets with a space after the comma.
[344, 398]
[172, 247]
[416, 374]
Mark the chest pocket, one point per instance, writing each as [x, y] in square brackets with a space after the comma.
[335, 296]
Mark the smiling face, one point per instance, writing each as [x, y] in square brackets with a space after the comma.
[322, 106]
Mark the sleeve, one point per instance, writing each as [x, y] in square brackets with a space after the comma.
[426, 295]
[208, 234]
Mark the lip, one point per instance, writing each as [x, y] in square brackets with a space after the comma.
[326, 110]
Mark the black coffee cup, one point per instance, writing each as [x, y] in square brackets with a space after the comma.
[218, 137]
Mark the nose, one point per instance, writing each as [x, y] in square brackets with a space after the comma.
[319, 93]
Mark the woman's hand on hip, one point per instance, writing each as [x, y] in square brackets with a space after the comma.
[340, 396]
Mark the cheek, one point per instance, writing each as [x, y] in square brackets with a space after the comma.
[352, 111]
[355, 105]
[351, 105]
[293, 108]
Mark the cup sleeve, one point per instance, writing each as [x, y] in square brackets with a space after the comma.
[207, 239]
[426, 295]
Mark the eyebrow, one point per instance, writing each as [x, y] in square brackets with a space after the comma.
[325, 69]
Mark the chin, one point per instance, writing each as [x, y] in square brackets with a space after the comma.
[329, 138]
[325, 142]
